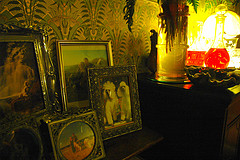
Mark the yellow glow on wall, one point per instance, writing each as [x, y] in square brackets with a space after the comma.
[231, 26]
[195, 25]
[201, 32]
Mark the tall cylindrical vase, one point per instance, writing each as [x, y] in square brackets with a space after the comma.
[170, 66]
[172, 45]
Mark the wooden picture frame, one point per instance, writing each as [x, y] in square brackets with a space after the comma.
[21, 140]
[23, 86]
[73, 59]
[76, 137]
[114, 97]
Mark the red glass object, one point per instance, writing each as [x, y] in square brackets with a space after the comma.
[217, 58]
[195, 58]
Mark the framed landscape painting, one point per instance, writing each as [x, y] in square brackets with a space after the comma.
[23, 88]
[74, 57]
[114, 96]
[77, 138]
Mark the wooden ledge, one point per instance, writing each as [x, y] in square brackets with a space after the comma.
[126, 146]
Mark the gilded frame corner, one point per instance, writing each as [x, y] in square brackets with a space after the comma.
[22, 140]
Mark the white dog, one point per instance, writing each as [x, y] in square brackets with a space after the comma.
[125, 103]
[111, 102]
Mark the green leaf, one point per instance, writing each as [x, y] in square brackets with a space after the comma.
[210, 3]
[235, 2]
[194, 3]
[15, 9]
[128, 11]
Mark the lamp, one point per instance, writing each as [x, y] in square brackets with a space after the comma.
[231, 25]
[231, 30]
[203, 42]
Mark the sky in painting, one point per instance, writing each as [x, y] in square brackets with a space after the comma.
[75, 54]
[80, 129]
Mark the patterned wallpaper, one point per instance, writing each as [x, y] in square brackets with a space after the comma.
[89, 20]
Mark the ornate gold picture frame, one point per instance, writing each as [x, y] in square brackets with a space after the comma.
[77, 137]
[23, 86]
[74, 57]
[114, 96]
[21, 140]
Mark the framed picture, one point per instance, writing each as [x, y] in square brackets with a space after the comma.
[21, 141]
[114, 96]
[74, 58]
[23, 88]
[77, 138]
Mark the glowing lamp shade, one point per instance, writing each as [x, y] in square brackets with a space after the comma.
[217, 29]
[231, 25]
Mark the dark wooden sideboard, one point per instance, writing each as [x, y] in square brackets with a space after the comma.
[231, 132]
[191, 119]
[129, 145]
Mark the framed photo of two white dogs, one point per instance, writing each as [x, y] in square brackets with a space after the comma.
[113, 94]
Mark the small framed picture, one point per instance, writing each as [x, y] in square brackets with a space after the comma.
[21, 140]
[77, 138]
[23, 88]
[114, 96]
[74, 57]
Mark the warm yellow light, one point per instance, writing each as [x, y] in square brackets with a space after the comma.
[231, 30]
[231, 25]
[202, 30]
